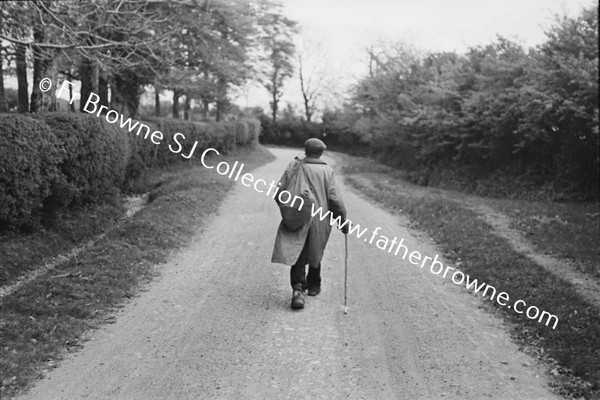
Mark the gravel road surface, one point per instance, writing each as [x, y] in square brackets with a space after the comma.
[217, 324]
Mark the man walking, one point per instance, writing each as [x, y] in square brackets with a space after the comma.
[306, 245]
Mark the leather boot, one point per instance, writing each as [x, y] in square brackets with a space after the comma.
[297, 298]
[313, 291]
[313, 280]
[298, 276]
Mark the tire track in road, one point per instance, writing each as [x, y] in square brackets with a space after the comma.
[217, 325]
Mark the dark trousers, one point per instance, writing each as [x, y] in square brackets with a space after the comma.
[298, 275]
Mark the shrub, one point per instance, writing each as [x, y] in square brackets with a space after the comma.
[254, 132]
[29, 155]
[94, 157]
[169, 127]
[223, 136]
[143, 153]
[242, 133]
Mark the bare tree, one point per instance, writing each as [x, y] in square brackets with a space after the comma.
[314, 83]
[113, 35]
[277, 40]
[3, 102]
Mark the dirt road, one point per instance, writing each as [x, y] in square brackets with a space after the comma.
[217, 325]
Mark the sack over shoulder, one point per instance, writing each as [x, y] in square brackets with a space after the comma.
[296, 214]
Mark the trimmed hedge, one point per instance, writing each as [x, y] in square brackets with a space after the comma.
[50, 161]
[29, 155]
[92, 165]
[223, 136]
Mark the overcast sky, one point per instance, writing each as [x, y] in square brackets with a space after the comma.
[342, 29]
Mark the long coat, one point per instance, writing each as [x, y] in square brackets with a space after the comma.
[315, 233]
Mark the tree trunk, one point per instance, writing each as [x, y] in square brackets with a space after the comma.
[133, 102]
[307, 109]
[71, 94]
[88, 73]
[156, 101]
[44, 101]
[219, 110]
[128, 89]
[186, 108]
[125, 93]
[274, 107]
[22, 93]
[275, 98]
[3, 102]
[176, 95]
[221, 98]
[103, 90]
[304, 90]
[115, 98]
[44, 67]
[205, 109]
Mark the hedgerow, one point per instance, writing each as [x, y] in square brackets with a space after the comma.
[51, 161]
[223, 136]
[94, 157]
[29, 155]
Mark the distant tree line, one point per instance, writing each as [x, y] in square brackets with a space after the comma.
[199, 50]
[498, 109]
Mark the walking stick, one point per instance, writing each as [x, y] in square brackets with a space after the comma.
[346, 275]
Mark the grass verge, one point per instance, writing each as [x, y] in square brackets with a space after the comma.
[21, 253]
[465, 238]
[567, 230]
[52, 314]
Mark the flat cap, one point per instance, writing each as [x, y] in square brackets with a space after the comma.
[314, 145]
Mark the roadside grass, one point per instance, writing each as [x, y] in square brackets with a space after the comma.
[53, 314]
[22, 252]
[467, 242]
[567, 230]
[562, 229]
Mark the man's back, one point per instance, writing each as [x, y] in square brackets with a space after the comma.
[307, 244]
[322, 180]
